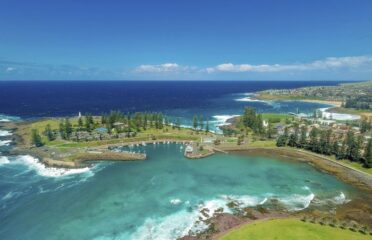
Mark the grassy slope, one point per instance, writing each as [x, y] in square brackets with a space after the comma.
[290, 229]
[270, 116]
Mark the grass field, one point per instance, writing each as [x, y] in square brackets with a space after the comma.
[291, 229]
[267, 143]
[275, 116]
[355, 165]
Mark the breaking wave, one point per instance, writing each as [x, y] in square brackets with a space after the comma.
[175, 201]
[3, 160]
[193, 220]
[5, 142]
[297, 202]
[5, 133]
[33, 164]
[221, 119]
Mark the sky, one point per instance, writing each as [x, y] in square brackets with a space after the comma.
[186, 40]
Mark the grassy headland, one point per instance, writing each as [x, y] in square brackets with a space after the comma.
[287, 229]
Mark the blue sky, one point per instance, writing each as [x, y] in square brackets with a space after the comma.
[177, 40]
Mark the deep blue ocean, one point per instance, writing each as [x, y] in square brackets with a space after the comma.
[61, 98]
[215, 100]
[159, 198]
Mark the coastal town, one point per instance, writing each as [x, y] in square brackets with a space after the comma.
[340, 147]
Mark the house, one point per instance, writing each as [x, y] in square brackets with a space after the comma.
[265, 123]
[189, 149]
[280, 129]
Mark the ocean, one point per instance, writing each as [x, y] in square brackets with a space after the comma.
[214, 100]
[161, 197]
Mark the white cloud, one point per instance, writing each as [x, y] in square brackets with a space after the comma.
[324, 64]
[162, 68]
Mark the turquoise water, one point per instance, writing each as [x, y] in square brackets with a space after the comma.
[159, 198]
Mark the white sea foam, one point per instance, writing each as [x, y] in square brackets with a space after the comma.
[221, 119]
[340, 199]
[297, 202]
[4, 120]
[5, 142]
[213, 205]
[182, 222]
[170, 227]
[247, 99]
[244, 200]
[175, 201]
[33, 164]
[3, 160]
[338, 116]
[250, 97]
[5, 133]
[11, 195]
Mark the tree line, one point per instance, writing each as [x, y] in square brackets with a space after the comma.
[115, 122]
[361, 102]
[198, 123]
[323, 142]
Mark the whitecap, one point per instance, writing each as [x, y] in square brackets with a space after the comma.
[297, 202]
[183, 222]
[212, 206]
[340, 199]
[175, 201]
[4, 120]
[247, 99]
[169, 227]
[221, 119]
[5, 142]
[10, 195]
[5, 133]
[244, 200]
[3, 160]
[33, 164]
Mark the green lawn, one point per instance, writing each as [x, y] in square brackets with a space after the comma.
[356, 165]
[291, 229]
[269, 116]
[267, 143]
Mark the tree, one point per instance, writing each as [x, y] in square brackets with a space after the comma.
[62, 130]
[36, 138]
[160, 120]
[49, 133]
[270, 130]
[313, 144]
[368, 154]
[281, 141]
[351, 146]
[292, 141]
[302, 141]
[80, 122]
[201, 123]
[336, 149]
[365, 126]
[178, 123]
[249, 118]
[68, 128]
[88, 122]
[259, 124]
[144, 122]
[322, 142]
[195, 122]
[207, 126]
